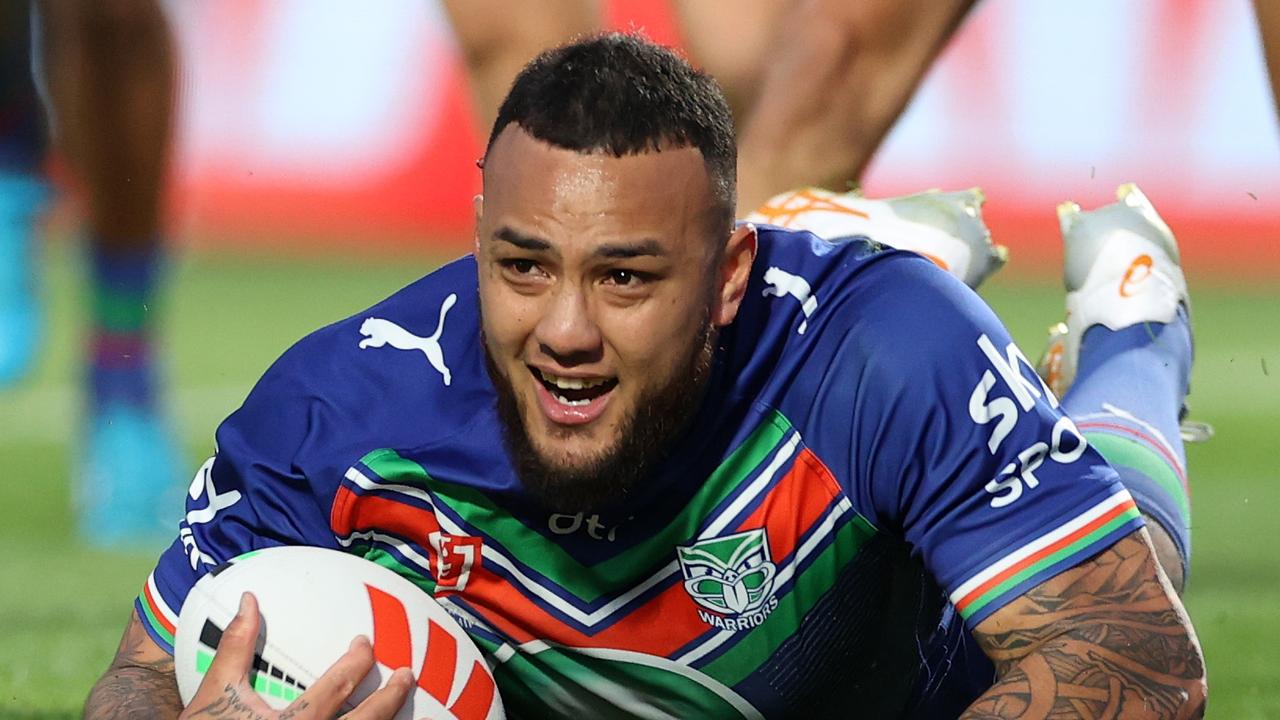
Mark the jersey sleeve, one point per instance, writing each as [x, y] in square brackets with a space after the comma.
[252, 493]
[958, 445]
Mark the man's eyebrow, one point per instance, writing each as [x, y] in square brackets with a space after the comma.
[622, 251]
[524, 242]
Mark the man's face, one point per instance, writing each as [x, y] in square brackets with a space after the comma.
[601, 281]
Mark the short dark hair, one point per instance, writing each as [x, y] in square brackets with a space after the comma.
[622, 94]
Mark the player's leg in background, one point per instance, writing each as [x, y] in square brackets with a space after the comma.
[732, 40]
[815, 85]
[1268, 14]
[23, 191]
[835, 78]
[109, 66]
[498, 37]
[1123, 364]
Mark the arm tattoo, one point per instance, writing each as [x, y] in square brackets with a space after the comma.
[1105, 639]
[137, 684]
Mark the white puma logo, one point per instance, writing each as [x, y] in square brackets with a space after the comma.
[783, 283]
[379, 332]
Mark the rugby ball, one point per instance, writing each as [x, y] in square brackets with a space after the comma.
[313, 602]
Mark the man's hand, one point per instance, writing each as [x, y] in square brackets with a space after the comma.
[226, 691]
[1106, 639]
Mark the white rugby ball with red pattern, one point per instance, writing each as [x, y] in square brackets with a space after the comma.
[313, 601]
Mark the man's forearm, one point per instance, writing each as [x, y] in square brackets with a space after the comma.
[1110, 672]
[139, 683]
[1106, 640]
[133, 692]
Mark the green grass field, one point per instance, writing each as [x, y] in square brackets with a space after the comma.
[62, 606]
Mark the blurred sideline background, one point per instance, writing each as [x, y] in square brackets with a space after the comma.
[326, 156]
[349, 125]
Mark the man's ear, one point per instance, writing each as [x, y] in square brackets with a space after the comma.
[477, 204]
[734, 272]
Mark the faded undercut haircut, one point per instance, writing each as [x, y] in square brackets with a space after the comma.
[622, 94]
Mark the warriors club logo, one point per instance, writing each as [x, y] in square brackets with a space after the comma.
[731, 579]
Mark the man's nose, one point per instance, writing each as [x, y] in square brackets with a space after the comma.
[568, 331]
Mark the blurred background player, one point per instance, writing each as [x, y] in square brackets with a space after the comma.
[836, 73]
[108, 71]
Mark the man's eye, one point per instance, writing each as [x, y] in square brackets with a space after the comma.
[520, 266]
[624, 278]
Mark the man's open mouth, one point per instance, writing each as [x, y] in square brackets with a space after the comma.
[573, 392]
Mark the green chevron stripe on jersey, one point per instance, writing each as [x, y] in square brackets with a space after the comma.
[588, 583]
[392, 563]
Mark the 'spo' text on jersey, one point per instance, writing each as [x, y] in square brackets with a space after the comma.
[1002, 411]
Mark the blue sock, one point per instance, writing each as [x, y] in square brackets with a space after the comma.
[121, 367]
[1126, 400]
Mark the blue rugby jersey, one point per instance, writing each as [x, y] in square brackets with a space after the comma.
[872, 446]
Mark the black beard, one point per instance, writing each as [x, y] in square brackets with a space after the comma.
[645, 439]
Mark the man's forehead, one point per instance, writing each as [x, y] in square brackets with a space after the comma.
[521, 167]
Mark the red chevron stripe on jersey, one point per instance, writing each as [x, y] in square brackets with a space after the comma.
[353, 512]
[794, 505]
[670, 620]
[799, 499]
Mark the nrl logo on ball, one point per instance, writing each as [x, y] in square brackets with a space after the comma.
[731, 579]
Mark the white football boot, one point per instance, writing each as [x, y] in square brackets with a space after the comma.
[945, 227]
[1121, 268]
